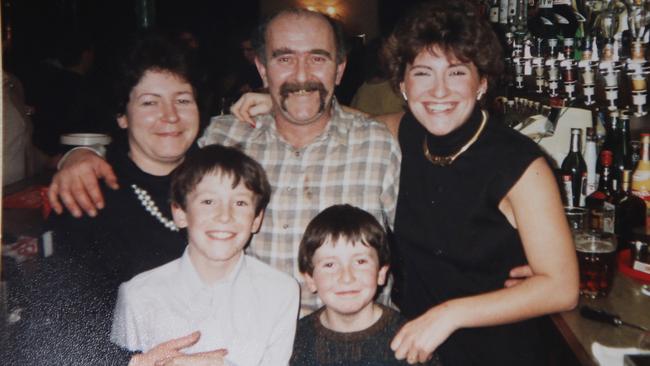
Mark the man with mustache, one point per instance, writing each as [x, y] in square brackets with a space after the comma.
[315, 154]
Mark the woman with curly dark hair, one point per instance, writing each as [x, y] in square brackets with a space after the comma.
[476, 199]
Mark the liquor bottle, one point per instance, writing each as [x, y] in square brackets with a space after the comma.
[641, 176]
[609, 140]
[600, 211]
[622, 148]
[574, 166]
[591, 159]
[629, 210]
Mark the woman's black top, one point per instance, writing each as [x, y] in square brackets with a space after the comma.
[452, 240]
[124, 238]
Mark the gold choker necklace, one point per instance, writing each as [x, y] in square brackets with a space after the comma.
[447, 160]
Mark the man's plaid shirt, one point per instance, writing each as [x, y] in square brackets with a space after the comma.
[355, 161]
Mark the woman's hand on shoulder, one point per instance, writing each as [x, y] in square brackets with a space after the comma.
[251, 105]
[420, 337]
[76, 185]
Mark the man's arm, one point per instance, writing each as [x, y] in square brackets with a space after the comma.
[76, 185]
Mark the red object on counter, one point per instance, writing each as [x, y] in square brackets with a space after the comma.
[624, 266]
[31, 197]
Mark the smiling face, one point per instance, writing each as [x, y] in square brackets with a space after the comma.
[162, 120]
[220, 220]
[301, 69]
[346, 277]
[441, 90]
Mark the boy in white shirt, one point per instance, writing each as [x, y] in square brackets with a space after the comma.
[238, 303]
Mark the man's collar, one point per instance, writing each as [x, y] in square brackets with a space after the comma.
[337, 127]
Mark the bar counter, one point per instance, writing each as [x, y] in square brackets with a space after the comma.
[625, 300]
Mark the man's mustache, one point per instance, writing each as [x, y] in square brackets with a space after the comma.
[309, 86]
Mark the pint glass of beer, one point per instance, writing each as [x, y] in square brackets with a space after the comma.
[597, 262]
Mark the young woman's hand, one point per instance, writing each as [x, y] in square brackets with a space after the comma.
[418, 338]
[251, 105]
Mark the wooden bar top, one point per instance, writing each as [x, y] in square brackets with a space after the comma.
[625, 300]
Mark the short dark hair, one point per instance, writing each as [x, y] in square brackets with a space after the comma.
[342, 221]
[219, 159]
[149, 51]
[455, 27]
[259, 35]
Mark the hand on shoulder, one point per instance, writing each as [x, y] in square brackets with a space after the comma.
[76, 185]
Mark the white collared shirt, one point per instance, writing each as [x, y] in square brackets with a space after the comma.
[252, 312]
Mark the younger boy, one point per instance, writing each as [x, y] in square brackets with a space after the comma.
[237, 302]
[344, 256]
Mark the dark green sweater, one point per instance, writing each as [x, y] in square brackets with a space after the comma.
[319, 346]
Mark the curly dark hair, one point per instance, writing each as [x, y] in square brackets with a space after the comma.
[456, 27]
[148, 51]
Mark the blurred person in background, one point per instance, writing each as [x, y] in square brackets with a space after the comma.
[376, 95]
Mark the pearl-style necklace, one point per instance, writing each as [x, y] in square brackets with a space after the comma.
[147, 202]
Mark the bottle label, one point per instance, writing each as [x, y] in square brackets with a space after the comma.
[583, 190]
[568, 190]
[608, 217]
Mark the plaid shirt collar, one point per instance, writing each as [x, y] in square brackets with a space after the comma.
[337, 127]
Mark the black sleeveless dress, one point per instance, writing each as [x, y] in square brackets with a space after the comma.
[451, 239]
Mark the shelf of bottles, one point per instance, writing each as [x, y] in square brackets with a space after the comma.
[589, 55]
[577, 52]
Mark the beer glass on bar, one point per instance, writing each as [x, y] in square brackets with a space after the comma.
[597, 262]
